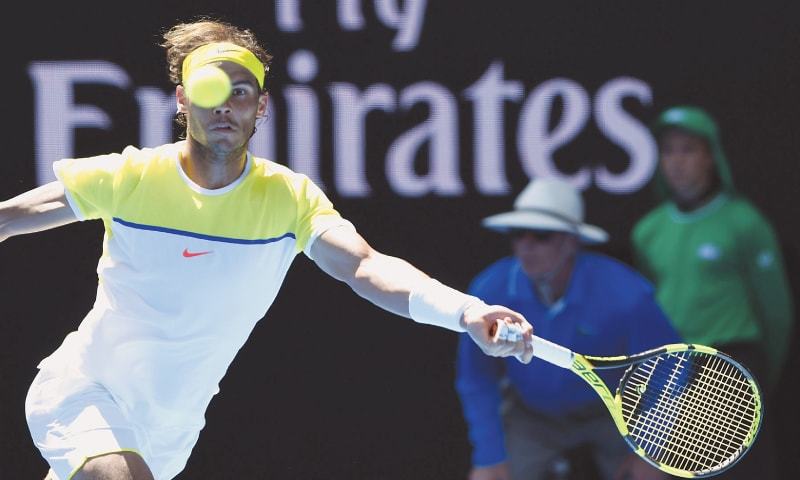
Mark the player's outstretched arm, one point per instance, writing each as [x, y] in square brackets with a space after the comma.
[39, 209]
[397, 286]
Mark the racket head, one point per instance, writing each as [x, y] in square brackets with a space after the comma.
[690, 410]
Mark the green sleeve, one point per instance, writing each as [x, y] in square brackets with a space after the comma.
[766, 276]
[639, 255]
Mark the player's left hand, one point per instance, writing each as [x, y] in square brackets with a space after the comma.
[481, 321]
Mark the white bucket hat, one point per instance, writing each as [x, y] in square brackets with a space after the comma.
[547, 204]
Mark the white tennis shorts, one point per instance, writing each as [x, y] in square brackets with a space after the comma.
[72, 419]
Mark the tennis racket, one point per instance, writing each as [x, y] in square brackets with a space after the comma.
[688, 410]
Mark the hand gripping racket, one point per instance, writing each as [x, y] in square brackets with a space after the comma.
[689, 410]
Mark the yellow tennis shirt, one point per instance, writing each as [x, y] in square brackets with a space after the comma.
[185, 273]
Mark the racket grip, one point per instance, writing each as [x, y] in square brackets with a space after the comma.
[546, 350]
[551, 352]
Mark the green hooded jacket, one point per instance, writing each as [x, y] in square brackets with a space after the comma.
[718, 270]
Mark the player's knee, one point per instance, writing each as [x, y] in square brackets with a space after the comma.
[115, 466]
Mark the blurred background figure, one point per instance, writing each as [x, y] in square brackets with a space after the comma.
[715, 260]
[522, 418]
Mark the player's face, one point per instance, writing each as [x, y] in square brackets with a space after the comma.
[229, 126]
[542, 251]
[686, 163]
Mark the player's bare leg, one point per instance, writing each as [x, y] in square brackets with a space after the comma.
[115, 466]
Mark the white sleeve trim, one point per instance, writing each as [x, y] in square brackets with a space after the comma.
[70, 200]
[322, 225]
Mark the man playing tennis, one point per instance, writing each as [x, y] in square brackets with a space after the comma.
[199, 235]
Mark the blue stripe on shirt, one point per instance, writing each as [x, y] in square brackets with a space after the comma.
[202, 236]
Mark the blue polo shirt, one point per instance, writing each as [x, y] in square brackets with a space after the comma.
[608, 309]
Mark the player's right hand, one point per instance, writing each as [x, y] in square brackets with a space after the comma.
[492, 472]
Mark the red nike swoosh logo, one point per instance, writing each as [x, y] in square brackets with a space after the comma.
[188, 254]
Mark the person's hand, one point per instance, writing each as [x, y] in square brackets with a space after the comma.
[635, 468]
[492, 472]
[481, 322]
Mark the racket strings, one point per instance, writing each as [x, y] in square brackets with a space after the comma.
[702, 417]
[690, 410]
[718, 395]
[649, 430]
[713, 401]
[651, 433]
[713, 396]
[696, 418]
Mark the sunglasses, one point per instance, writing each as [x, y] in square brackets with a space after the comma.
[537, 235]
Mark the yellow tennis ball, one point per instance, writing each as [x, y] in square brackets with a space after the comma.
[208, 87]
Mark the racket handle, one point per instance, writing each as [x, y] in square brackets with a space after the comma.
[551, 352]
[546, 350]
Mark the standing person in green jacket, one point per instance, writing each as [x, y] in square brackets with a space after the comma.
[715, 259]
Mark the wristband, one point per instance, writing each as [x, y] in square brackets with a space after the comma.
[437, 304]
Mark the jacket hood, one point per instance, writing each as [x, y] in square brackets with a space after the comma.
[698, 122]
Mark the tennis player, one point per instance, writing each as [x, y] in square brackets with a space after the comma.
[199, 236]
